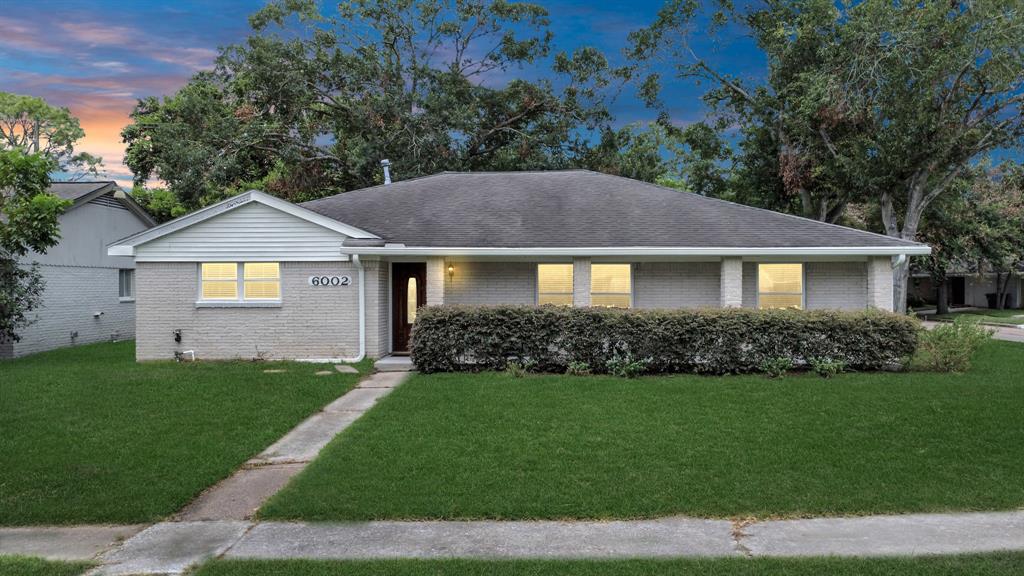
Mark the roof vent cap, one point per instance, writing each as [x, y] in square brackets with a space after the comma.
[386, 164]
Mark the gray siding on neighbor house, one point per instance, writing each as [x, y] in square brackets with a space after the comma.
[311, 322]
[81, 279]
[491, 283]
[676, 284]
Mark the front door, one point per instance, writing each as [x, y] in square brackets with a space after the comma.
[408, 292]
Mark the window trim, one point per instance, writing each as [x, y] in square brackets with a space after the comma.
[632, 284]
[803, 284]
[536, 284]
[120, 285]
[240, 301]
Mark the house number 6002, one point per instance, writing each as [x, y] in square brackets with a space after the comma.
[329, 280]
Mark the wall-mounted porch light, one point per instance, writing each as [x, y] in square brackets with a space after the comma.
[451, 271]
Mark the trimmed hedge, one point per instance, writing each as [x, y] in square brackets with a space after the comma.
[705, 341]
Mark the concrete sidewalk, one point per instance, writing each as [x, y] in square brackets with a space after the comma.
[171, 547]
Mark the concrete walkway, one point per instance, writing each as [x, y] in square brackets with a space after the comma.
[239, 496]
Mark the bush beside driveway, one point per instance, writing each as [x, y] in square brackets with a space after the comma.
[460, 446]
[91, 436]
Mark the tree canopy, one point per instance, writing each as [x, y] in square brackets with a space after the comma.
[32, 125]
[310, 103]
[878, 102]
[29, 221]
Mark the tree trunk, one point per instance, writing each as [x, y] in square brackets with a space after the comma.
[942, 297]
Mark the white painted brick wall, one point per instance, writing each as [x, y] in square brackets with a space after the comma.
[836, 285]
[731, 282]
[72, 295]
[879, 283]
[831, 285]
[676, 284]
[492, 283]
[312, 321]
[436, 273]
[581, 282]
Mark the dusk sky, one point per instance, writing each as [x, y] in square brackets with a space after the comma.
[98, 57]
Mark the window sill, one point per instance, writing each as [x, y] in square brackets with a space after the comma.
[124, 299]
[237, 304]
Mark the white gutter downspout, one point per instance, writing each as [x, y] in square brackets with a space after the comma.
[899, 261]
[362, 311]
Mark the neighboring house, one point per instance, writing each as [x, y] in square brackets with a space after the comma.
[89, 295]
[341, 277]
[967, 287]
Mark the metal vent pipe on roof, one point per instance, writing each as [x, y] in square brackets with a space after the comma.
[386, 164]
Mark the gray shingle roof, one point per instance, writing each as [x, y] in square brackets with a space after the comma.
[572, 208]
[75, 190]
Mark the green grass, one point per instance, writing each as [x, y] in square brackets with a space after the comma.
[999, 564]
[1006, 317]
[90, 436]
[460, 446]
[28, 566]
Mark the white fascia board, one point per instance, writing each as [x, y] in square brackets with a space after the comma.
[641, 251]
[227, 205]
[339, 258]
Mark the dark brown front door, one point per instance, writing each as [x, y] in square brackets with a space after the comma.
[408, 292]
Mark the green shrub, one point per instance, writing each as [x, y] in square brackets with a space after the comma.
[949, 346]
[626, 366]
[776, 367]
[519, 368]
[826, 368]
[576, 368]
[708, 341]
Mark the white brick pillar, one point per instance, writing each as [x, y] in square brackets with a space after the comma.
[436, 270]
[880, 283]
[732, 282]
[581, 282]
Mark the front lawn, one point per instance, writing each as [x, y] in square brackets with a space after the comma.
[90, 436]
[1005, 317]
[1000, 564]
[461, 446]
[28, 566]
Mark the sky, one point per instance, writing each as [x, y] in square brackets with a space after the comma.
[98, 57]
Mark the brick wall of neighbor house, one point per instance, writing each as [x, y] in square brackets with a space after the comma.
[72, 296]
[676, 284]
[491, 283]
[836, 285]
[312, 322]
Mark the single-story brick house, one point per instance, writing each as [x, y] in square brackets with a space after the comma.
[341, 277]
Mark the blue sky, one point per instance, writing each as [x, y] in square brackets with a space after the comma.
[98, 57]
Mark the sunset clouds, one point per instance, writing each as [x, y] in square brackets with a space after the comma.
[98, 58]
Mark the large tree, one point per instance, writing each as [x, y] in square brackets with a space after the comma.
[312, 101]
[29, 221]
[867, 101]
[33, 126]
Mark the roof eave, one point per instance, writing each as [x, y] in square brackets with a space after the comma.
[910, 250]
